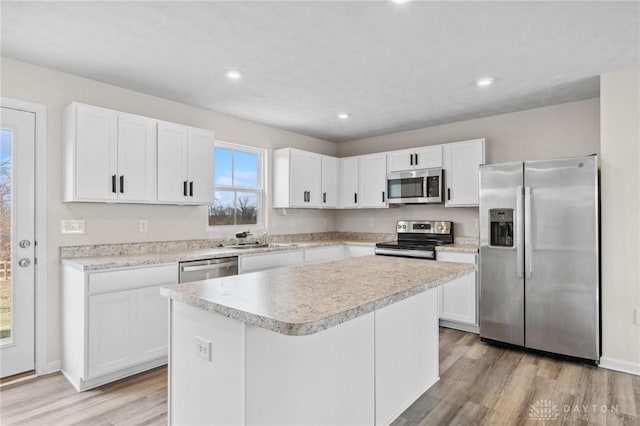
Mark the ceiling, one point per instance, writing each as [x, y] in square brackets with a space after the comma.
[392, 67]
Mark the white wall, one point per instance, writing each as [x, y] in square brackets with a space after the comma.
[564, 130]
[620, 221]
[117, 223]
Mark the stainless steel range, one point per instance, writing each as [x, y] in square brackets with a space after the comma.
[417, 238]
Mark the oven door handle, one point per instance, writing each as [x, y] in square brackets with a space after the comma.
[207, 267]
[426, 254]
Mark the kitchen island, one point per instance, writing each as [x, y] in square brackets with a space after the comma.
[346, 342]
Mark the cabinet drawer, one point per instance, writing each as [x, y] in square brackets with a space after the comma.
[127, 279]
[261, 262]
[450, 256]
[323, 254]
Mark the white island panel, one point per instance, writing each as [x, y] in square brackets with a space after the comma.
[203, 392]
[325, 378]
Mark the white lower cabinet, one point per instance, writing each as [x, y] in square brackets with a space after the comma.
[323, 254]
[114, 323]
[356, 251]
[262, 262]
[457, 300]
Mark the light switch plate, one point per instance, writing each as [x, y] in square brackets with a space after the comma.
[72, 226]
[144, 225]
[203, 348]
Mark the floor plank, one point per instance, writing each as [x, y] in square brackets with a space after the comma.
[480, 384]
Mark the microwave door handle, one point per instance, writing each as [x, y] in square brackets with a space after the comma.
[519, 231]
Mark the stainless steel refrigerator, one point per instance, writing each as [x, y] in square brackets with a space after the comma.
[539, 255]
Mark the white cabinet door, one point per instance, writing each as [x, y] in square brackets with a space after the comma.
[200, 166]
[330, 181]
[372, 178]
[398, 161]
[323, 254]
[172, 163]
[112, 338]
[152, 322]
[262, 262]
[96, 154]
[349, 182]
[356, 251]
[428, 157]
[314, 181]
[299, 163]
[457, 298]
[461, 164]
[136, 158]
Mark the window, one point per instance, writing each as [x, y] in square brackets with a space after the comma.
[238, 186]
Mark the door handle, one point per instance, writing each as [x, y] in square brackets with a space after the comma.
[309, 196]
[411, 159]
[24, 262]
[355, 197]
[519, 231]
[448, 194]
[324, 197]
[528, 241]
[416, 159]
[122, 184]
[113, 184]
[383, 196]
[191, 189]
[184, 188]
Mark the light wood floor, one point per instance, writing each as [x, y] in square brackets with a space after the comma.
[479, 384]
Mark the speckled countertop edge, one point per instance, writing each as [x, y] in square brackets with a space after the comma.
[99, 263]
[307, 328]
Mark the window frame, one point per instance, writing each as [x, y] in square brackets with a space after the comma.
[259, 190]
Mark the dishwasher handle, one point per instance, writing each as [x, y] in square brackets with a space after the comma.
[211, 266]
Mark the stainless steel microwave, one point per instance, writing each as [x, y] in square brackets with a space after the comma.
[415, 187]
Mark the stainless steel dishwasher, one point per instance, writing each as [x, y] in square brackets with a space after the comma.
[198, 270]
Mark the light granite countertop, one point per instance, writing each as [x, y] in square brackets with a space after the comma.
[461, 248]
[302, 300]
[96, 263]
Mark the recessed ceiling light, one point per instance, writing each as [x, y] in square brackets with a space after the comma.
[484, 81]
[344, 115]
[233, 74]
[400, 1]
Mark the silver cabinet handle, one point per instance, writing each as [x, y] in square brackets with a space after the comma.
[212, 267]
[519, 225]
[528, 241]
[24, 262]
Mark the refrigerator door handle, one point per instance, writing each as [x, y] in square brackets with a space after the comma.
[527, 234]
[519, 233]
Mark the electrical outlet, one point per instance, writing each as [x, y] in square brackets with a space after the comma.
[638, 316]
[144, 226]
[72, 226]
[370, 221]
[203, 348]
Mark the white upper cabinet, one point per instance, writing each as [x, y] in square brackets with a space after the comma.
[185, 164]
[349, 182]
[461, 161]
[136, 158]
[115, 157]
[330, 181]
[427, 157]
[109, 156]
[297, 179]
[372, 181]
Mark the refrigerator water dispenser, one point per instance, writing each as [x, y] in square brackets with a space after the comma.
[501, 227]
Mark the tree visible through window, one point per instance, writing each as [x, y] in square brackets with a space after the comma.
[238, 186]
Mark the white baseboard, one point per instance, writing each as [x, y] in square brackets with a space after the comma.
[53, 367]
[617, 365]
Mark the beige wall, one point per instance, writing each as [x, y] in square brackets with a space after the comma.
[564, 130]
[620, 222]
[117, 223]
